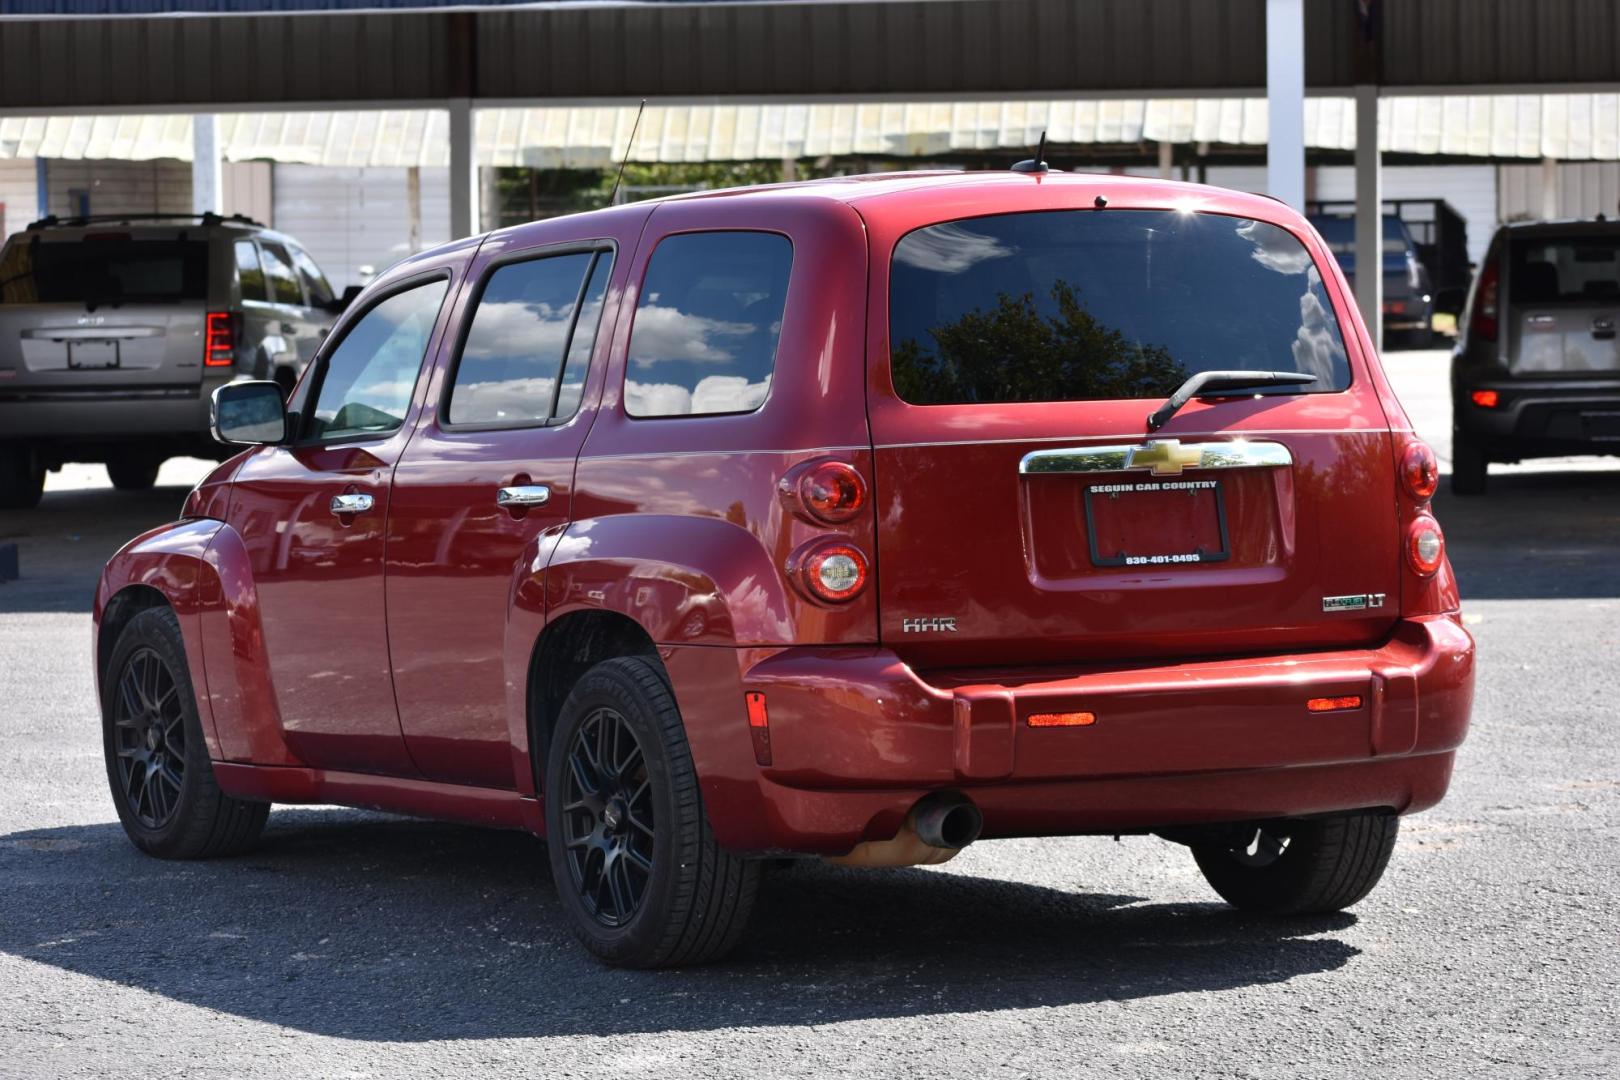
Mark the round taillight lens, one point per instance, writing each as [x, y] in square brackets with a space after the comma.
[833, 491]
[1425, 546]
[836, 572]
[1420, 470]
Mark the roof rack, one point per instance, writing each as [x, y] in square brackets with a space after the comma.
[205, 218]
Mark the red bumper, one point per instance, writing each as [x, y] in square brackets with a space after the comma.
[857, 736]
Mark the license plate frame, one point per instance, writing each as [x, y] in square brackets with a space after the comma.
[1178, 488]
[103, 354]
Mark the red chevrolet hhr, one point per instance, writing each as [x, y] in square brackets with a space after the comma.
[862, 518]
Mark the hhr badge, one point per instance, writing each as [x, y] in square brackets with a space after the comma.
[925, 625]
[1358, 602]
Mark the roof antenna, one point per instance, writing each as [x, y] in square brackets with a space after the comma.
[614, 194]
[1036, 164]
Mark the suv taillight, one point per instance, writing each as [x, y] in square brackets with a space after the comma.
[219, 339]
[830, 570]
[1483, 325]
[1425, 545]
[1420, 472]
[1426, 591]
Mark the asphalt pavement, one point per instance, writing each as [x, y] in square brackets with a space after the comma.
[353, 944]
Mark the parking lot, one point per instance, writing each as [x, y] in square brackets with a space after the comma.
[355, 944]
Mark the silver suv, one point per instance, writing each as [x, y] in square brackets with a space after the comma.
[114, 332]
[1536, 370]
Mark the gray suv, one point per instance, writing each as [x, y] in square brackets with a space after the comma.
[1536, 371]
[114, 332]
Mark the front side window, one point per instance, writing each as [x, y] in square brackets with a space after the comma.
[1076, 305]
[707, 324]
[512, 366]
[365, 388]
[278, 269]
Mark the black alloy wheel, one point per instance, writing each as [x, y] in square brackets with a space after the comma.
[609, 818]
[158, 765]
[150, 732]
[638, 872]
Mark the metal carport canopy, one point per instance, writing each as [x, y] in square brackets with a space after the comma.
[242, 55]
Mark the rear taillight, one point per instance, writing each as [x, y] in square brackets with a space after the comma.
[1420, 471]
[1484, 322]
[832, 492]
[831, 570]
[219, 340]
[1425, 546]
[1485, 399]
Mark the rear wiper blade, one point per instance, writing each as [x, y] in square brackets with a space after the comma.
[1222, 384]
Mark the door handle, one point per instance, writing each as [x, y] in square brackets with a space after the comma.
[352, 504]
[523, 495]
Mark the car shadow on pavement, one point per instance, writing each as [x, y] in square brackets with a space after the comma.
[362, 926]
[1541, 535]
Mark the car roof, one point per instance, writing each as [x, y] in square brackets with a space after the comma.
[1563, 227]
[149, 226]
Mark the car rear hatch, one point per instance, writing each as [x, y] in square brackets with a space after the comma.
[1026, 514]
[102, 312]
[1564, 305]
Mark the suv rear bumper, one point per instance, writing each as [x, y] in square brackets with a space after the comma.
[103, 415]
[857, 736]
[1544, 416]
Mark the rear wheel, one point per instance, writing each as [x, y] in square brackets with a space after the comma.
[1469, 464]
[22, 478]
[133, 473]
[637, 868]
[1300, 866]
[157, 762]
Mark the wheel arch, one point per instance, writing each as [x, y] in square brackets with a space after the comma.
[120, 610]
[566, 649]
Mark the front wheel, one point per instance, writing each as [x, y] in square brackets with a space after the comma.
[637, 869]
[157, 762]
[1300, 866]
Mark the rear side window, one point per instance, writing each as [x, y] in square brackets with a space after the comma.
[366, 383]
[1076, 305]
[1566, 268]
[249, 272]
[278, 269]
[707, 324]
[524, 336]
[315, 283]
[103, 268]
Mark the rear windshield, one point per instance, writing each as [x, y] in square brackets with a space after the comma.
[111, 269]
[1075, 305]
[1556, 269]
[1340, 234]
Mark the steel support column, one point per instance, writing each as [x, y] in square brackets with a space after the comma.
[1369, 214]
[207, 177]
[464, 217]
[1285, 100]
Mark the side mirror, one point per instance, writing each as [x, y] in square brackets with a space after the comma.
[341, 304]
[248, 414]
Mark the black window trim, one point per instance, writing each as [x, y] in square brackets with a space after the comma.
[630, 338]
[265, 242]
[300, 419]
[1303, 241]
[597, 248]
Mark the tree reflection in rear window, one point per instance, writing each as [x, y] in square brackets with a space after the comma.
[1076, 305]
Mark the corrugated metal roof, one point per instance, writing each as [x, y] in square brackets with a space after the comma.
[1569, 127]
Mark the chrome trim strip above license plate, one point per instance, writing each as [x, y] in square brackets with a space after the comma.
[1163, 457]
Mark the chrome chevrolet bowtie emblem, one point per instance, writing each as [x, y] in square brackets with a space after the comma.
[1166, 457]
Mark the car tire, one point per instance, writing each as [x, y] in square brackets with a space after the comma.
[1301, 866]
[1469, 465]
[22, 480]
[133, 474]
[157, 761]
[623, 809]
